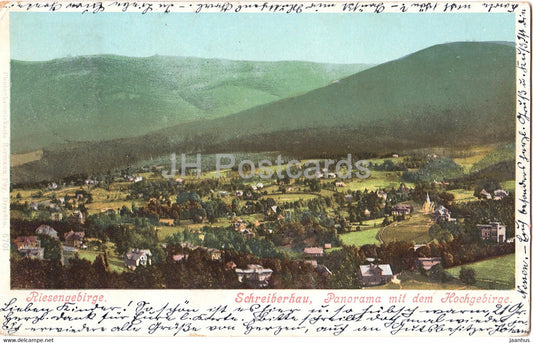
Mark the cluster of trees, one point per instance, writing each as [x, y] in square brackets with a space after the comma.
[161, 189]
[126, 238]
[196, 271]
[344, 263]
[199, 271]
[459, 251]
[447, 231]
[23, 227]
[436, 169]
[227, 239]
[304, 234]
[104, 227]
[488, 177]
[188, 205]
[96, 225]
[483, 212]
[489, 185]
[366, 201]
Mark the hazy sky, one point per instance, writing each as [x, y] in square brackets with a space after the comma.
[333, 38]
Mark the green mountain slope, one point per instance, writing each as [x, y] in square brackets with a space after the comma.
[446, 95]
[105, 97]
[460, 92]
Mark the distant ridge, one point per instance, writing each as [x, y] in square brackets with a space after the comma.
[455, 94]
[92, 98]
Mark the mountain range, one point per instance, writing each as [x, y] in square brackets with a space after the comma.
[454, 94]
[94, 98]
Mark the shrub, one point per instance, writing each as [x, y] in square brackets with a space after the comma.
[467, 275]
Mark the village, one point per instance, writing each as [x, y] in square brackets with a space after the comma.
[134, 228]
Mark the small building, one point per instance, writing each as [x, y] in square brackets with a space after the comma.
[499, 194]
[239, 193]
[401, 209]
[27, 242]
[382, 194]
[215, 254]
[68, 253]
[52, 186]
[427, 262]
[138, 257]
[494, 231]
[340, 184]
[485, 194]
[348, 197]
[254, 275]
[34, 206]
[180, 257]
[323, 270]
[374, 274]
[239, 225]
[247, 233]
[327, 246]
[134, 179]
[76, 218]
[47, 230]
[314, 252]
[34, 253]
[91, 182]
[30, 246]
[272, 211]
[442, 214]
[74, 239]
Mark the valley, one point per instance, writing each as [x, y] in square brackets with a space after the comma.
[429, 204]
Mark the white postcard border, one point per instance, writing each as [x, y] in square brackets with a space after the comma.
[206, 301]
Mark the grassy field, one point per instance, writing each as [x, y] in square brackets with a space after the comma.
[377, 180]
[462, 195]
[509, 185]
[476, 154]
[360, 237]
[291, 197]
[291, 252]
[116, 263]
[494, 273]
[414, 229]
[20, 159]
[370, 223]
[165, 231]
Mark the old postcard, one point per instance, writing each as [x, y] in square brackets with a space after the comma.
[319, 169]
